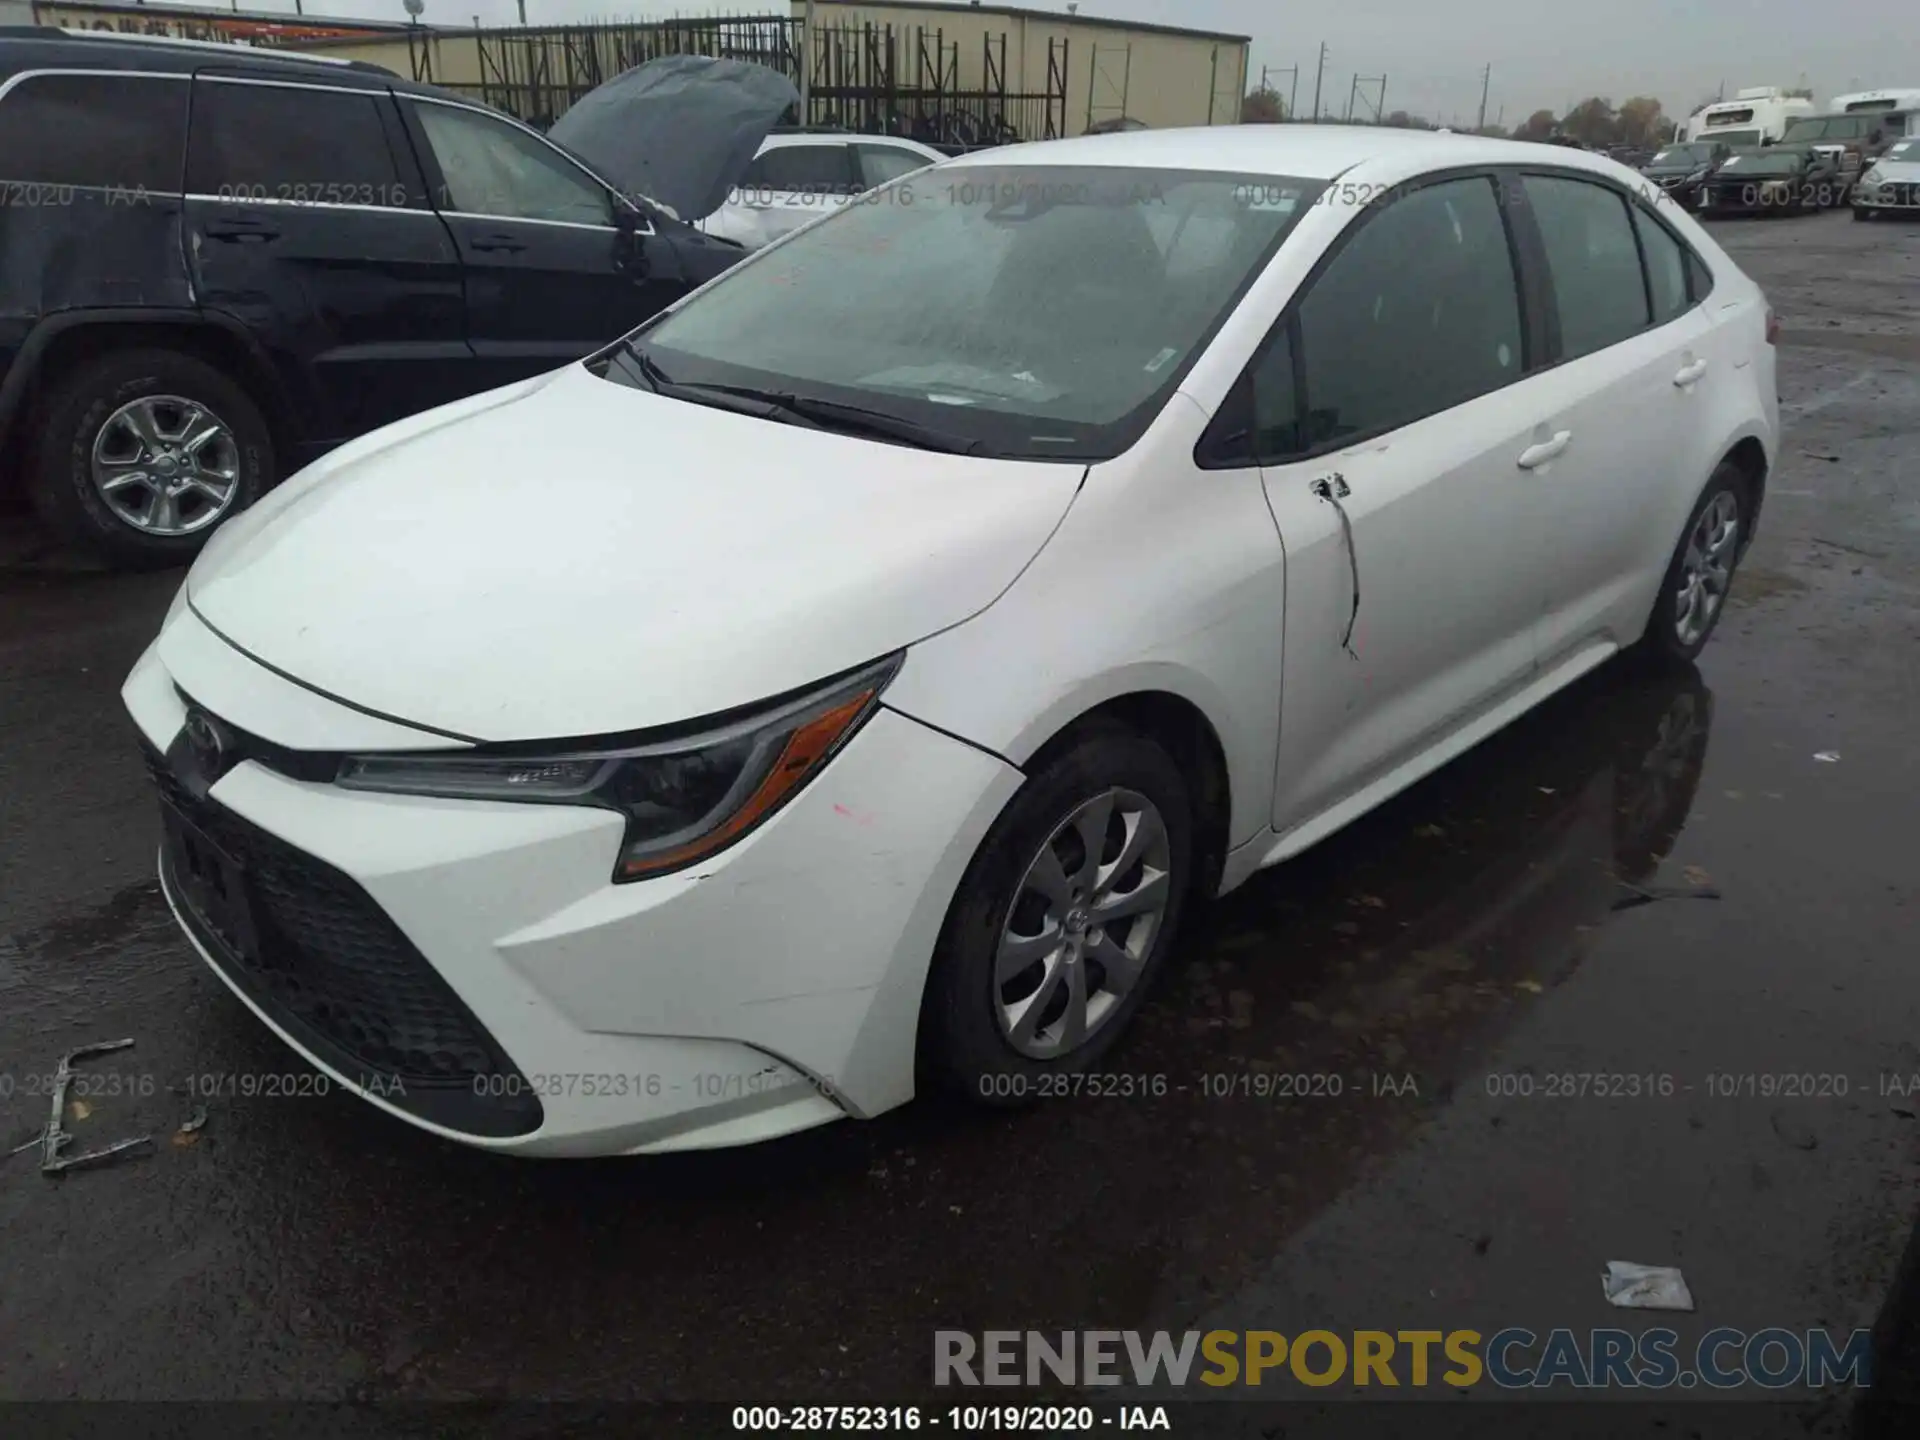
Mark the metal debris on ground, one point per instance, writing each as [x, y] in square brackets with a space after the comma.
[1827, 757]
[55, 1138]
[1646, 895]
[1645, 1287]
[194, 1121]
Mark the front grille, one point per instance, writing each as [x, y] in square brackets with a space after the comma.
[334, 970]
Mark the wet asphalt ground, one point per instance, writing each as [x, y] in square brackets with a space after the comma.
[1652, 876]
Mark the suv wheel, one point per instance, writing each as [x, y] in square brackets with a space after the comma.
[144, 452]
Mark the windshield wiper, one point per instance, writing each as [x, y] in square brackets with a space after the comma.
[815, 414]
[835, 415]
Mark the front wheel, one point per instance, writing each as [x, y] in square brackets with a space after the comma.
[1694, 589]
[1860, 212]
[1064, 917]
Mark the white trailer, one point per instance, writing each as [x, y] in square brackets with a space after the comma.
[1900, 109]
[1755, 116]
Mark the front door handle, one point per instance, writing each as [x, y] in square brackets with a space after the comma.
[505, 244]
[1687, 374]
[240, 227]
[1536, 455]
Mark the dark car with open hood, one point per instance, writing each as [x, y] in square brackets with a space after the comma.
[218, 263]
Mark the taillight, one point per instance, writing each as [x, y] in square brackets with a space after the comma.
[1773, 327]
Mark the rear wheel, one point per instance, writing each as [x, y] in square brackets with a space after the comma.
[1694, 590]
[144, 452]
[1064, 918]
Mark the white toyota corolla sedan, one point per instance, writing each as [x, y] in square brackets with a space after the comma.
[840, 685]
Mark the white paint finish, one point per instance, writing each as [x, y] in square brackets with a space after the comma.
[1164, 577]
[568, 556]
[247, 694]
[739, 961]
[586, 558]
[1448, 533]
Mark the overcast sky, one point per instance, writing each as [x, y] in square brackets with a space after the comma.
[1544, 54]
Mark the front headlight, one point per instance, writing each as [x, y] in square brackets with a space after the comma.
[684, 798]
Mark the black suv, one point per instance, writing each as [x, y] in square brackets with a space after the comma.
[215, 264]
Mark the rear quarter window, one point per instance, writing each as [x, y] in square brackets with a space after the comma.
[111, 132]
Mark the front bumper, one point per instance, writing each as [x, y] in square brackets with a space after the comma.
[1892, 195]
[478, 954]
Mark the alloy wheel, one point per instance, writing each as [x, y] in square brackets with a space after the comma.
[166, 465]
[1082, 924]
[1707, 568]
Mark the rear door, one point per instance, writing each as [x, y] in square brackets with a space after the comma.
[1631, 359]
[308, 223]
[551, 274]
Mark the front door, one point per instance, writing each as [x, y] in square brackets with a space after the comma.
[551, 276]
[1409, 517]
[305, 225]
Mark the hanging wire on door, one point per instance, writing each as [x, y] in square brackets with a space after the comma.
[1333, 489]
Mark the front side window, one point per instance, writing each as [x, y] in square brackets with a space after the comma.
[1417, 313]
[270, 142]
[113, 132]
[1593, 262]
[492, 168]
[1046, 311]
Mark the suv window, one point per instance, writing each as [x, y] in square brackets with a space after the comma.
[1418, 312]
[806, 169]
[493, 168]
[881, 163]
[119, 132]
[275, 142]
[1593, 262]
[1666, 267]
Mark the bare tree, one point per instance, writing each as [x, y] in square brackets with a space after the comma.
[1592, 122]
[1263, 106]
[1537, 126]
[1640, 121]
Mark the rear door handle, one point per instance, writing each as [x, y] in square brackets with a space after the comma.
[1536, 455]
[1687, 374]
[241, 227]
[503, 243]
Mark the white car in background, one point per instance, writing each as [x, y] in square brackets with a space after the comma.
[797, 176]
[801, 701]
[1891, 184]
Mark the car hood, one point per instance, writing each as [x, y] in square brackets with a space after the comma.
[569, 557]
[1896, 172]
[680, 130]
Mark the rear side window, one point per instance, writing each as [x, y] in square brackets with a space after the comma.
[1593, 261]
[808, 169]
[1666, 267]
[272, 142]
[881, 163]
[1418, 312]
[116, 132]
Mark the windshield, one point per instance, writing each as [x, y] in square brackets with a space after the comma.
[1825, 127]
[1779, 162]
[1675, 156]
[1039, 311]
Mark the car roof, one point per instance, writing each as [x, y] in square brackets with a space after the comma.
[39, 48]
[1309, 152]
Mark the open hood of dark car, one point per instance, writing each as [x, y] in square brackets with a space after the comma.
[680, 130]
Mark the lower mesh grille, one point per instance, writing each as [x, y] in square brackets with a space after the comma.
[330, 967]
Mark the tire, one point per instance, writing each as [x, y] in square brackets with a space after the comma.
[89, 408]
[1860, 212]
[967, 1048]
[1676, 636]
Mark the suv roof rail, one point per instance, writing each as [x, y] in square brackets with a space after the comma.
[174, 42]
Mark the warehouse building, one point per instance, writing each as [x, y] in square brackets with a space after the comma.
[945, 73]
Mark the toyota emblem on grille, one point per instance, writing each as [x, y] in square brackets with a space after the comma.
[212, 745]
